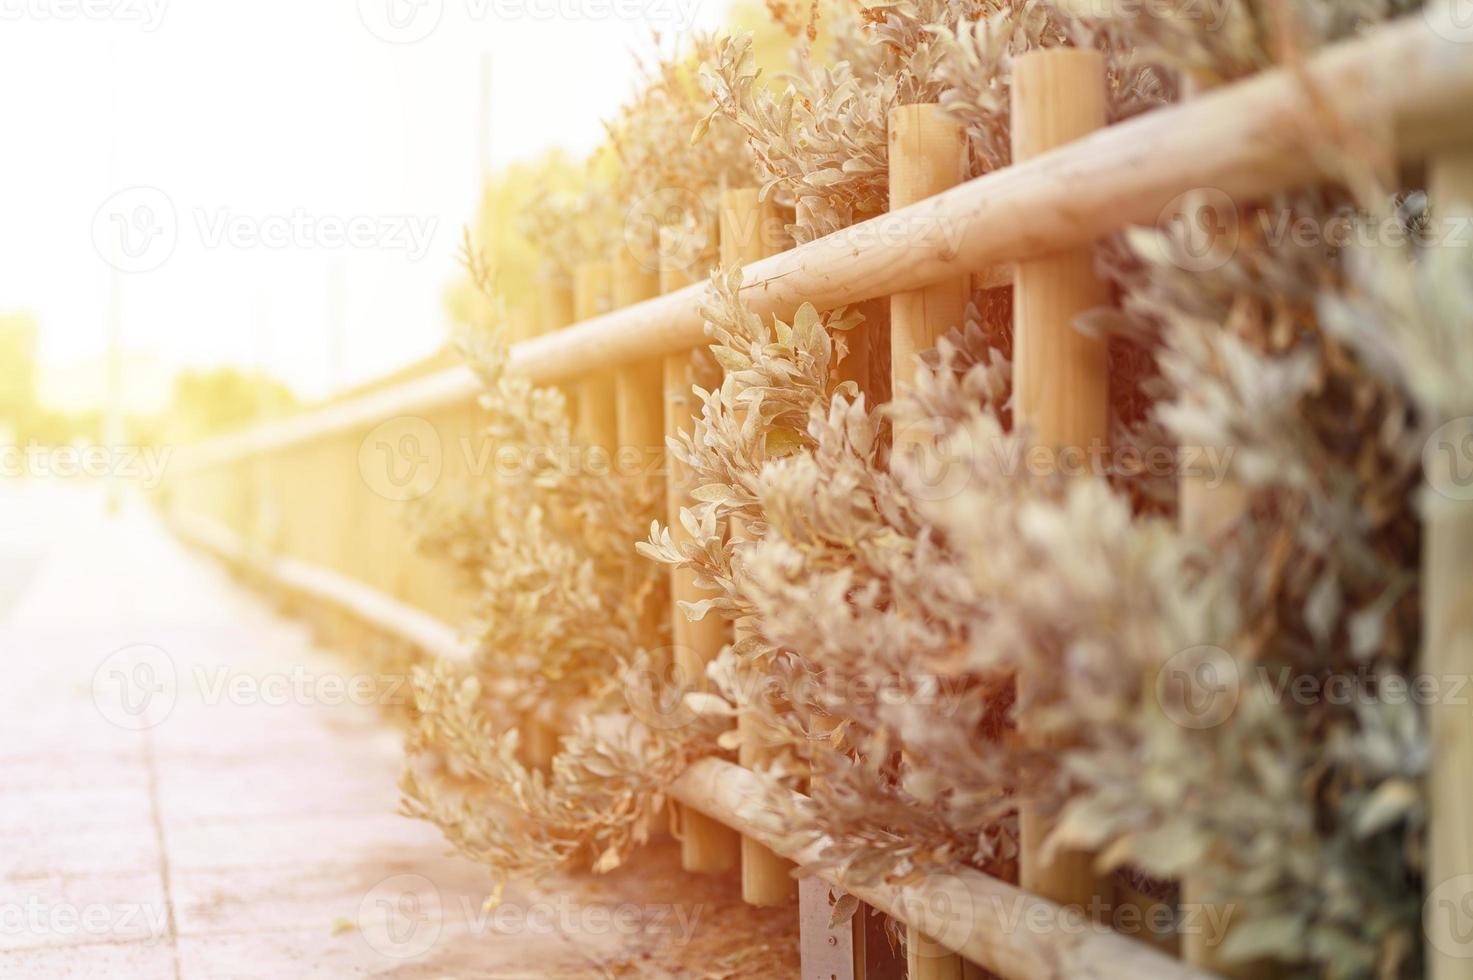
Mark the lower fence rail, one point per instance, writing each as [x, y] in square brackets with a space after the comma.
[992, 924]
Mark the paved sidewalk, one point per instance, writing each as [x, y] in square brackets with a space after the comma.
[189, 790]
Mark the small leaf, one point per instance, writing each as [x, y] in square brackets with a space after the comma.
[844, 910]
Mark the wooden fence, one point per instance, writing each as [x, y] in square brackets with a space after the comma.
[294, 499]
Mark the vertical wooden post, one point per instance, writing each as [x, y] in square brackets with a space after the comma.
[1060, 376]
[1447, 649]
[597, 425]
[1210, 512]
[639, 401]
[706, 845]
[554, 301]
[554, 312]
[750, 230]
[928, 154]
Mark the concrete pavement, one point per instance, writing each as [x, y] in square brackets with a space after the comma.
[190, 788]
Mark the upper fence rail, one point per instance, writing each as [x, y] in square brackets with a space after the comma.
[1244, 140]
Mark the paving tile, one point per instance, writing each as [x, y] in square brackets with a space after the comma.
[39, 852]
[285, 841]
[99, 961]
[268, 790]
[318, 954]
[294, 896]
[78, 752]
[285, 857]
[29, 808]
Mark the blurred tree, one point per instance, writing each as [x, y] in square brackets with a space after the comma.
[210, 402]
[780, 29]
[496, 234]
[17, 370]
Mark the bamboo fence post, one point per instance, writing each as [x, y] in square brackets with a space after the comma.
[928, 154]
[1210, 512]
[1061, 376]
[750, 230]
[639, 401]
[706, 845]
[554, 302]
[596, 423]
[555, 310]
[1447, 646]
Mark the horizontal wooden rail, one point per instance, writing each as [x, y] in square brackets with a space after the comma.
[381, 612]
[1243, 140]
[1007, 930]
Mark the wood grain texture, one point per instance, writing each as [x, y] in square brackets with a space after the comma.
[927, 155]
[706, 845]
[597, 423]
[751, 229]
[1060, 375]
[1447, 653]
[1001, 927]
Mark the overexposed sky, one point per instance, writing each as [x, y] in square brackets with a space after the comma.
[245, 163]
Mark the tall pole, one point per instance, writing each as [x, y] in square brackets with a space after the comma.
[112, 419]
[1060, 378]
